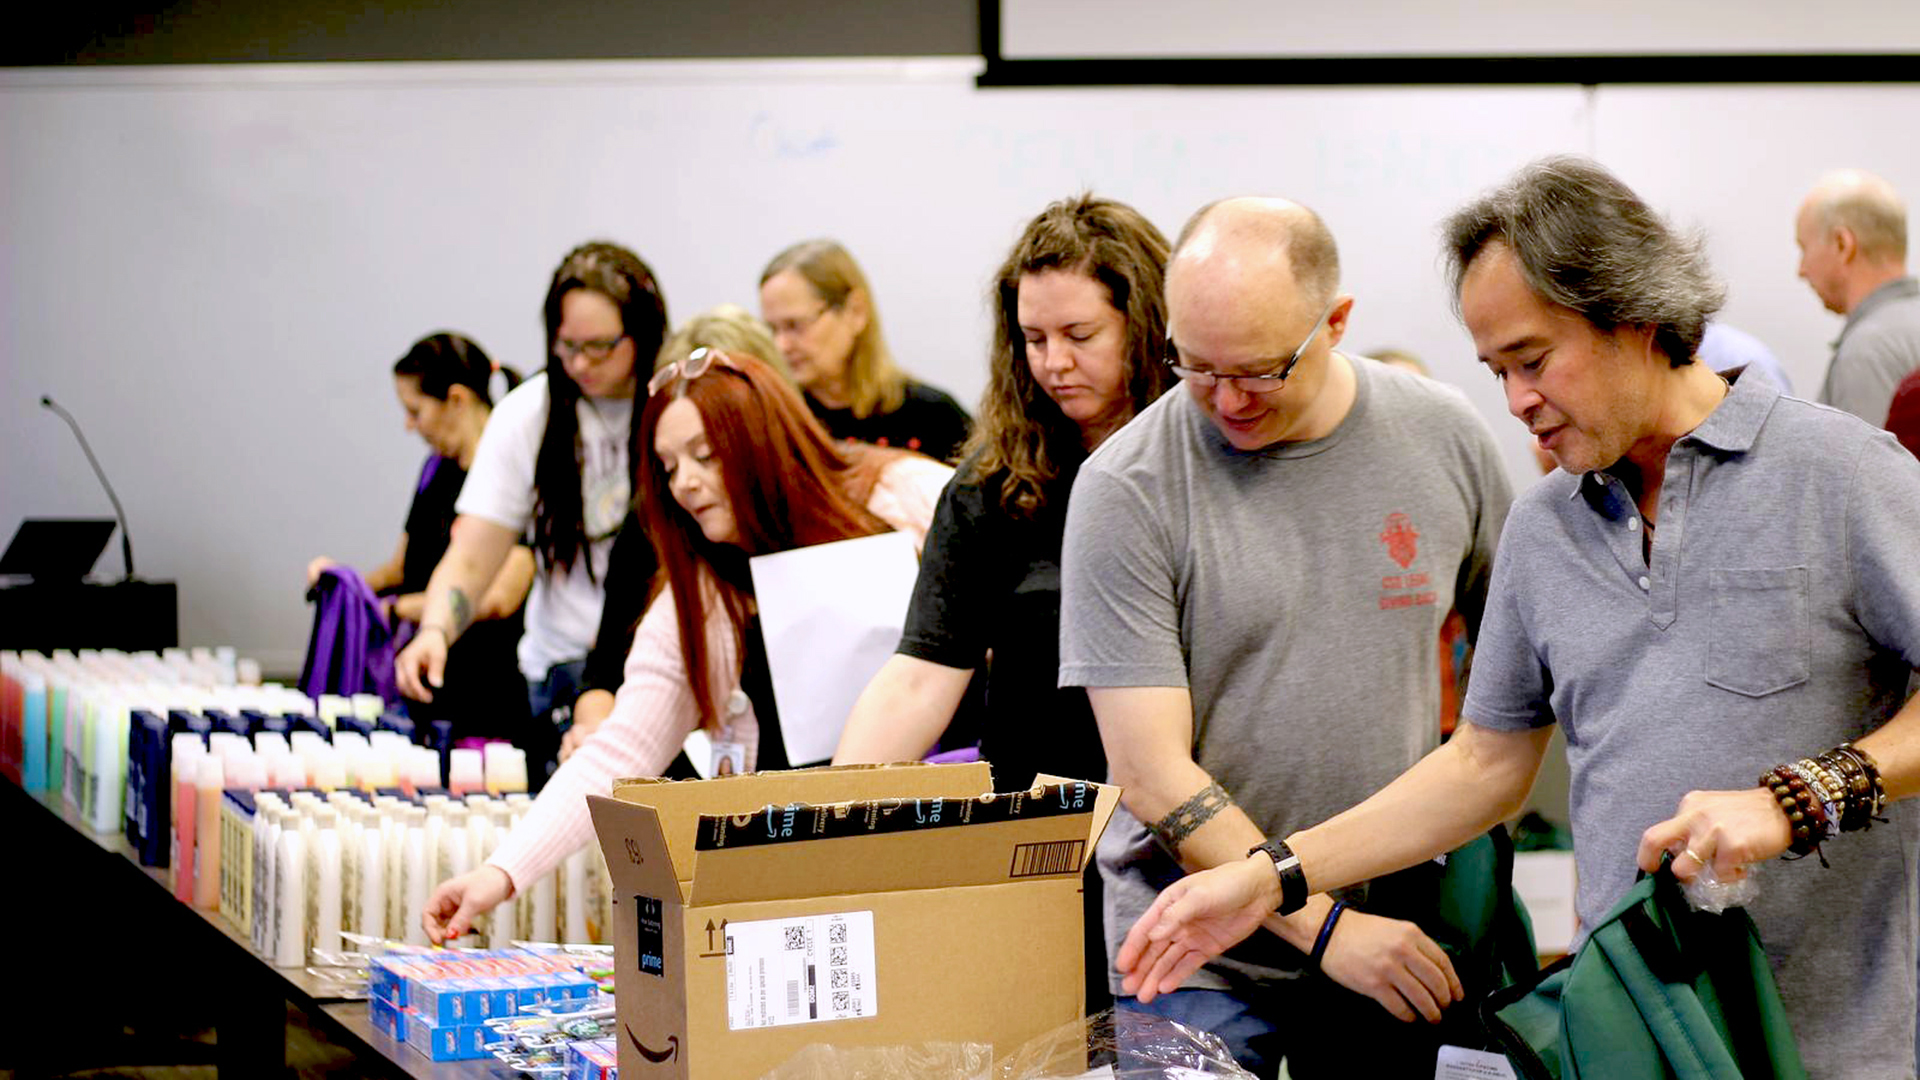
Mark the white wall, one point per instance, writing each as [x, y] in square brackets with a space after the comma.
[215, 267]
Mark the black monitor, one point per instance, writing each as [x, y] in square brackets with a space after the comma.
[56, 549]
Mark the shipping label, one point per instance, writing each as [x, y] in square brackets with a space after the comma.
[800, 970]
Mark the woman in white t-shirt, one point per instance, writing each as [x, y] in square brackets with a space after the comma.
[552, 466]
[734, 466]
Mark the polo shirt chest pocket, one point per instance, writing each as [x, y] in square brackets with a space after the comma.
[1759, 637]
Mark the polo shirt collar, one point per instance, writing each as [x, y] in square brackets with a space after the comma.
[1733, 425]
[1896, 289]
[1730, 428]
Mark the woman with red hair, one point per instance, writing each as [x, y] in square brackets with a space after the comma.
[738, 467]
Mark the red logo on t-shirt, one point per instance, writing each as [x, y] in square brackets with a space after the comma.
[1401, 539]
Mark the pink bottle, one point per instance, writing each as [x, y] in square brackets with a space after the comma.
[186, 768]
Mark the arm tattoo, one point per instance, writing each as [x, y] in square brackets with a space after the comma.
[1186, 818]
[460, 608]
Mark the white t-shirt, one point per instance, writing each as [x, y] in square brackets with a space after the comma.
[563, 610]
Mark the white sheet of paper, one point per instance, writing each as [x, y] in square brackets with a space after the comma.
[830, 616]
[1460, 1063]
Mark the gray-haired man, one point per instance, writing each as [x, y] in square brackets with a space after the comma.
[1723, 580]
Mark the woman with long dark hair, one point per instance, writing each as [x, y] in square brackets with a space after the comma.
[735, 467]
[553, 462]
[1081, 322]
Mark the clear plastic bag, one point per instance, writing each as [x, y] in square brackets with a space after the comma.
[1113, 1045]
[1123, 1045]
[930, 1061]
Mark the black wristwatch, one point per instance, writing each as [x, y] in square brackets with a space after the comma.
[1293, 880]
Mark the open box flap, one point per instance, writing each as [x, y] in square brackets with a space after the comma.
[638, 858]
[894, 844]
[680, 803]
[1107, 800]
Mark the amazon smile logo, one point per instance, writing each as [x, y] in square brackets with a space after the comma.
[670, 1053]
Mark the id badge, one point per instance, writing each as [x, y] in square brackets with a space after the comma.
[729, 758]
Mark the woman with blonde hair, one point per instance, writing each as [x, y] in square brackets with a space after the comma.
[818, 303]
[733, 466]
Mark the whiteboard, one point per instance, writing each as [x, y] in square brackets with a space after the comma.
[215, 268]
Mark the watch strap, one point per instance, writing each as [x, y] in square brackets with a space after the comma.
[1293, 880]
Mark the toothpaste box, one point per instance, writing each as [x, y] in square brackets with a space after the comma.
[387, 1018]
[594, 1059]
[447, 1042]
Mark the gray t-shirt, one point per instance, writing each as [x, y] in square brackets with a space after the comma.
[1296, 591]
[1779, 615]
[1878, 347]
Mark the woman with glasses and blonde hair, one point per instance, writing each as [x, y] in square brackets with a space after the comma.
[734, 467]
[817, 301]
[1081, 321]
[552, 461]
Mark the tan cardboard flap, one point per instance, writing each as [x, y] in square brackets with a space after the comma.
[637, 854]
[681, 802]
[1105, 803]
[751, 864]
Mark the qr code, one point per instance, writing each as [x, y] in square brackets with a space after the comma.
[841, 979]
[837, 956]
[842, 1001]
[837, 933]
[796, 937]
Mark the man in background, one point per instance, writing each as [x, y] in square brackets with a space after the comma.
[1852, 232]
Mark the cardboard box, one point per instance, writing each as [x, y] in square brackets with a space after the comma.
[864, 905]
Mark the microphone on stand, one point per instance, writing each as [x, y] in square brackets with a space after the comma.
[126, 540]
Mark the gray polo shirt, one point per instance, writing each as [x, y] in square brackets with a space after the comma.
[1878, 346]
[1779, 615]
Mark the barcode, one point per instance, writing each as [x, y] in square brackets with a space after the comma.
[796, 937]
[1049, 857]
[793, 997]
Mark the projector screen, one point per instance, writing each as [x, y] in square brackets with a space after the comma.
[1239, 41]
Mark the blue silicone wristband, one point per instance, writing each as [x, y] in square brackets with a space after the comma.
[1326, 932]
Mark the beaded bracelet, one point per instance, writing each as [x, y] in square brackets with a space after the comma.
[1838, 791]
[1826, 789]
[1806, 817]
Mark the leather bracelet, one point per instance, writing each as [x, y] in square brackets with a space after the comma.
[1326, 932]
[1293, 880]
[444, 636]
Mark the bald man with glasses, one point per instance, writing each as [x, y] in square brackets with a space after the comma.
[1256, 570]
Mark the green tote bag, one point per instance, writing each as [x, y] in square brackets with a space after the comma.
[1657, 991]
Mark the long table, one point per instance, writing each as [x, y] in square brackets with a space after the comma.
[115, 936]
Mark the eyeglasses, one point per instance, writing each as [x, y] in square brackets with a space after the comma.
[1267, 383]
[694, 366]
[796, 327]
[596, 349]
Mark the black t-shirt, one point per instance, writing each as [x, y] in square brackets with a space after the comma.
[630, 568]
[991, 580]
[430, 521]
[485, 695]
[927, 421]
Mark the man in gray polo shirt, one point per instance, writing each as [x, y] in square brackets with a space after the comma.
[1852, 232]
[1722, 580]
